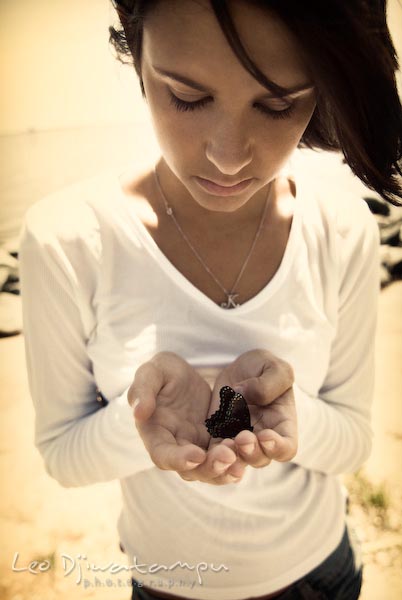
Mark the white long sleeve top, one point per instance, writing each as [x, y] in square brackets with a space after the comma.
[100, 298]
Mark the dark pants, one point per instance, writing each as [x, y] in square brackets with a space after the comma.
[339, 577]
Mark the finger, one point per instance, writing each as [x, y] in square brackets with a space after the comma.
[227, 478]
[235, 471]
[277, 447]
[276, 378]
[221, 466]
[250, 451]
[217, 473]
[234, 476]
[223, 479]
[148, 382]
[173, 457]
[229, 442]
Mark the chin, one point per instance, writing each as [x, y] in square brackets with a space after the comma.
[219, 204]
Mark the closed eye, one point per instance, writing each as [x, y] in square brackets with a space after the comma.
[283, 113]
[185, 105]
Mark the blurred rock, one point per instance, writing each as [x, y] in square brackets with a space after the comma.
[378, 207]
[385, 276]
[10, 314]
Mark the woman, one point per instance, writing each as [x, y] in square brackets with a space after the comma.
[217, 267]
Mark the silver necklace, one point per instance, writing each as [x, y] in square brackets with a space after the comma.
[230, 295]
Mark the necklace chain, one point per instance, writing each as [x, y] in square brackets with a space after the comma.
[231, 295]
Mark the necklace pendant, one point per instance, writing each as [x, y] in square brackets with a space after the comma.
[230, 303]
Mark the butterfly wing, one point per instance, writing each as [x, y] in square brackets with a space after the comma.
[218, 421]
[232, 416]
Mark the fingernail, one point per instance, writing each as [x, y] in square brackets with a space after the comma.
[247, 448]
[190, 464]
[269, 445]
[135, 404]
[239, 388]
[220, 466]
[232, 478]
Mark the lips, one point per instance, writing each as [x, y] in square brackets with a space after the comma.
[218, 189]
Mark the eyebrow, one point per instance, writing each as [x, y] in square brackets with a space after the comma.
[201, 88]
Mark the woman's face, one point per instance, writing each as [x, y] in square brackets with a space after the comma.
[222, 134]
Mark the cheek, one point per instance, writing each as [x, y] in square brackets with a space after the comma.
[171, 126]
[287, 134]
[178, 146]
[176, 132]
[278, 138]
[307, 109]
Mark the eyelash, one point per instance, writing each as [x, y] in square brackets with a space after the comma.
[183, 106]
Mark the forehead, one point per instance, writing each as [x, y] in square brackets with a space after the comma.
[186, 34]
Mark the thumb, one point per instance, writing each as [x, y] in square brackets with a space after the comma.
[264, 389]
[252, 390]
[142, 394]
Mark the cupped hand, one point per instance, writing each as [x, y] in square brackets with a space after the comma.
[171, 402]
[266, 383]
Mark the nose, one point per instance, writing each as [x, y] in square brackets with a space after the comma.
[228, 148]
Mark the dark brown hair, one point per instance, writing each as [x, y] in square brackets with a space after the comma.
[353, 61]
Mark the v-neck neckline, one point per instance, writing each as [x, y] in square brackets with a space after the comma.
[190, 289]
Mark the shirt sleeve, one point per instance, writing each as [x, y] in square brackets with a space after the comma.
[335, 432]
[81, 441]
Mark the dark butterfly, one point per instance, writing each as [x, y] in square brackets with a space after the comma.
[231, 417]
